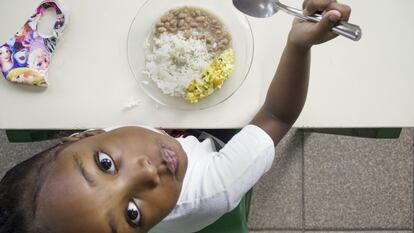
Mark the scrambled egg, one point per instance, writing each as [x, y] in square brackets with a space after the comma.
[213, 77]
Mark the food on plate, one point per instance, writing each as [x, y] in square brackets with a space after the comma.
[189, 54]
[213, 77]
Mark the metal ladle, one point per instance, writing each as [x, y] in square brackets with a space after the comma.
[267, 8]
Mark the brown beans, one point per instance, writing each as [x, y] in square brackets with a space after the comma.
[224, 41]
[187, 34]
[181, 23]
[200, 18]
[176, 12]
[195, 23]
[162, 29]
[182, 15]
[173, 22]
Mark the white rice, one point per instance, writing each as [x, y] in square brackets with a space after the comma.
[173, 61]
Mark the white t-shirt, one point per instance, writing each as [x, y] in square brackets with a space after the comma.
[215, 182]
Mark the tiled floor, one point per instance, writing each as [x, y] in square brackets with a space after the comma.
[277, 198]
[337, 183]
[318, 184]
[13, 153]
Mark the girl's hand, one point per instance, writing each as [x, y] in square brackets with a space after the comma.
[305, 34]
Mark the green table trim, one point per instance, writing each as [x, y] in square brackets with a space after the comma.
[379, 133]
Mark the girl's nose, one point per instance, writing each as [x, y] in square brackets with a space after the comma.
[145, 173]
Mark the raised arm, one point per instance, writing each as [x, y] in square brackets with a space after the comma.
[287, 92]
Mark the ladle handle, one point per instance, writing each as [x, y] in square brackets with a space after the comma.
[342, 28]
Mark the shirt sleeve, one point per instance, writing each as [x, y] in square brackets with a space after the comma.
[237, 167]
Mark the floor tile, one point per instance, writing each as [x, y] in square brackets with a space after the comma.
[368, 231]
[13, 153]
[277, 198]
[356, 183]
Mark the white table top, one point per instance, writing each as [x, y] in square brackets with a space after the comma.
[368, 83]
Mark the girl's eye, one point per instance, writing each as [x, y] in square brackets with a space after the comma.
[133, 214]
[106, 163]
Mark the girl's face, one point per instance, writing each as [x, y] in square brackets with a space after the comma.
[39, 60]
[125, 180]
[5, 55]
[42, 62]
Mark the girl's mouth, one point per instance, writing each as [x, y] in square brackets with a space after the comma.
[171, 159]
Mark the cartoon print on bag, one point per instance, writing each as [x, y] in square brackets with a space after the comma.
[21, 57]
[60, 20]
[26, 57]
[50, 44]
[6, 59]
[39, 60]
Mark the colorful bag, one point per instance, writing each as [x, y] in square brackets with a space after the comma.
[25, 58]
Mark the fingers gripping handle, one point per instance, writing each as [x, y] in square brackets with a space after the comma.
[342, 28]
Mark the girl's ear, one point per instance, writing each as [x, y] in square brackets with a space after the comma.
[78, 136]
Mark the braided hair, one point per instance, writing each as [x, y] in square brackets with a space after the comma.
[18, 193]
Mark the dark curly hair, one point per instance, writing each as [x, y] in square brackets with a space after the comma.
[19, 189]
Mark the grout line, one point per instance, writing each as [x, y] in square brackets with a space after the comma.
[303, 179]
[412, 177]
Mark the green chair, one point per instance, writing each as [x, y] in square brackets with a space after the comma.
[36, 135]
[234, 221]
[27, 135]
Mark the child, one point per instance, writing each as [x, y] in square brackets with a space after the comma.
[136, 179]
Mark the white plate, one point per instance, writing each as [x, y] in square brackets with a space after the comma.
[235, 22]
